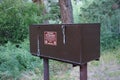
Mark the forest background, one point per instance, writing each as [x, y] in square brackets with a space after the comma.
[16, 62]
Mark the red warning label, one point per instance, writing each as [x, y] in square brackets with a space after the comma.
[50, 38]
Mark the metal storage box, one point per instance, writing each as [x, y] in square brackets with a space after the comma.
[72, 43]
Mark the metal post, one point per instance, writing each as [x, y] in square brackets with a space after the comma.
[83, 72]
[46, 68]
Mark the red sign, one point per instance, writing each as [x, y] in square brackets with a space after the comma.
[50, 38]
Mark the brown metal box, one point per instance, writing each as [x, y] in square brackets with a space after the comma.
[72, 43]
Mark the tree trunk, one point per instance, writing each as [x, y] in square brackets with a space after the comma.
[66, 11]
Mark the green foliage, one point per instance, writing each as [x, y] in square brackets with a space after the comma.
[54, 12]
[101, 11]
[117, 52]
[19, 64]
[14, 61]
[15, 18]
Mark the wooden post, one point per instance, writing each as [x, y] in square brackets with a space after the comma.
[83, 72]
[46, 68]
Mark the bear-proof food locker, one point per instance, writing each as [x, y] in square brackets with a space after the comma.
[71, 43]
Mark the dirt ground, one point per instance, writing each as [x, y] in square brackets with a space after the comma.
[105, 69]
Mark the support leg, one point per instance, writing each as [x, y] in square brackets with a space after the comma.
[46, 68]
[83, 72]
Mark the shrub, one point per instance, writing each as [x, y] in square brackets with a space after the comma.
[14, 61]
[15, 18]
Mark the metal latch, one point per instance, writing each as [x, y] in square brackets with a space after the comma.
[38, 46]
[63, 32]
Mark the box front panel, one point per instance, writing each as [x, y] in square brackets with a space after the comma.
[60, 42]
[90, 42]
[51, 41]
[73, 39]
